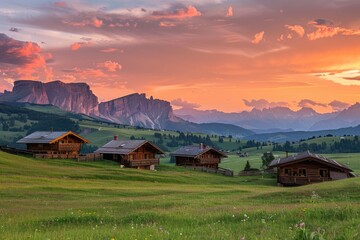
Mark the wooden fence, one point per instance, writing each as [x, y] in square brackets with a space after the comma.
[55, 156]
[89, 157]
[221, 171]
[256, 172]
[14, 150]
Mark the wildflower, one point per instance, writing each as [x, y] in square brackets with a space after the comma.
[302, 225]
[263, 221]
[233, 216]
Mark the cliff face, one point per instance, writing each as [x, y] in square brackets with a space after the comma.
[137, 110]
[73, 97]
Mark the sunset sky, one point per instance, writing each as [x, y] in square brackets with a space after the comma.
[207, 54]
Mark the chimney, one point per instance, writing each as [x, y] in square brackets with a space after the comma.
[116, 137]
[287, 154]
[201, 146]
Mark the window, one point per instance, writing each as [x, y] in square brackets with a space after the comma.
[324, 173]
[145, 156]
[287, 171]
[302, 172]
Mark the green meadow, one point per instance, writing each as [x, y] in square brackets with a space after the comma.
[65, 199]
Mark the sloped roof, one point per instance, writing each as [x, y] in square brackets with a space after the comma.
[48, 137]
[194, 151]
[125, 147]
[304, 156]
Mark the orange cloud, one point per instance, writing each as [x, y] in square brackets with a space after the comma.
[188, 12]
[258, 37]
[230, 12]
[297, 29]
[96, 22]
[325, 29]
[76, 46]
[110, 66]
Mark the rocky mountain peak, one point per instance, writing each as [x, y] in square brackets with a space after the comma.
[73, 97]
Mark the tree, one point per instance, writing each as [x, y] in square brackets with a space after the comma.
[266, 158]
[247, 166]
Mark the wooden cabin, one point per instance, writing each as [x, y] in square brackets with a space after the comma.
[54, 144]
[198, 156]
[139, 154]
[305, 168]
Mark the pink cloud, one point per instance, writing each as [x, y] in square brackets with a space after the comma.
[310, 103]
[258, 37]
[60, 4]
[28, 58]
[188, 12]
[110, 66]
[263, 104]
[230, 12]
[76, 46]
[297, 29]
[184, 104]
[109, 50]
[338, 106]
[96, 22]
[167, 24]
[86, 73]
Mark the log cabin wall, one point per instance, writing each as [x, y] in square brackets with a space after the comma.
[143, 152]
[305, 172]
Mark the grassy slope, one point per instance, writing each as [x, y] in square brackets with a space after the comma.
[62, 199]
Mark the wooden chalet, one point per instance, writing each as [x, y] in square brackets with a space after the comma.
[198, 156]
[305, 168]
[131, 153]
[54, 144]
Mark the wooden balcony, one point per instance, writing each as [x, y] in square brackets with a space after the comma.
[69, 147]
[209, 161]
[141, 162]
[301, 180]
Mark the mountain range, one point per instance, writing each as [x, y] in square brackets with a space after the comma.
[138, 110]
[134, 109]
[277, 119]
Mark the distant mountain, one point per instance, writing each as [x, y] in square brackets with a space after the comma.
[298, 135]
[278, 118]
[137, 110]
[73, 97]
[210, 128]
[347, 118]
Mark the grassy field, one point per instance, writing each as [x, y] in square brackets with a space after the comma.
[63, 199]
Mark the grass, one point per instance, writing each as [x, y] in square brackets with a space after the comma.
[64, 199]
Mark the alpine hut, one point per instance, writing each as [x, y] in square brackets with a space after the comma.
[131, 153]
[54, 144]
[198, 156]
[305, 168]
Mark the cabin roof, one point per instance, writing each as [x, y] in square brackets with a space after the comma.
[304, 156]
[48, 137]
[125, 147]
[194, 151]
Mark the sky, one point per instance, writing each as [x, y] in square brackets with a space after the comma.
[205, 54]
